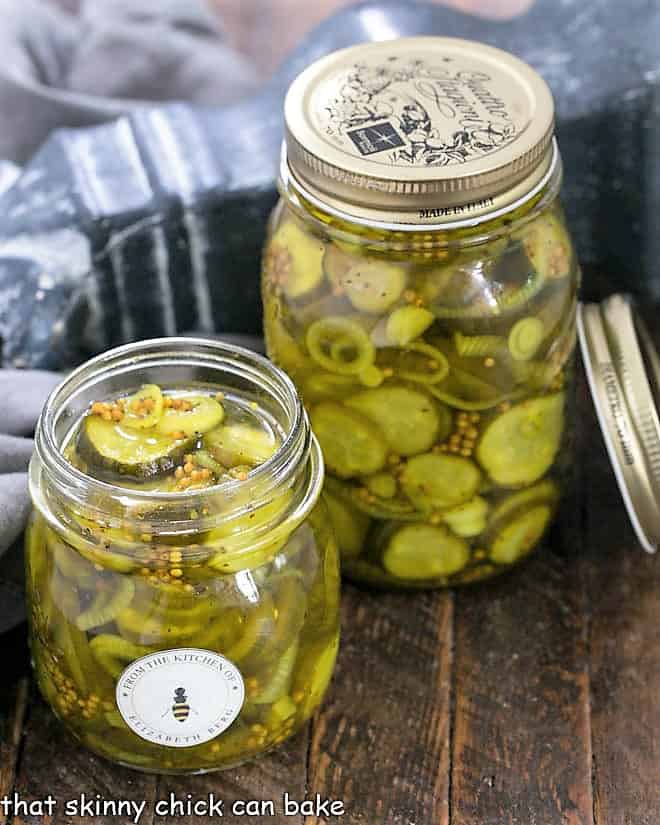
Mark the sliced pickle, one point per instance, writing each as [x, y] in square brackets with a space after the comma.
[232, 552]
[113, 653]
[235, 445]
[373, 286]
[257, 632]
[548, 247]
[142, 627]
[397, 507]
[144, 409]
[424, 551]
[321, 386]
[295, 258]
[107, 605]
[336, 263]
[409, 419]
[439, 482]
[372, 376]
[466, 391]
[110, 449]
[406, 324]
[352, 445]
[313, 672]
[515, 538]
[520, 445]
[279, 678]
[350, 525]
[545, 492]
[282, 344]
[382, 485]
[468, 519]
[205, 415]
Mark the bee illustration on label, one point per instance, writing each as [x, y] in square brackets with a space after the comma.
[180, 709]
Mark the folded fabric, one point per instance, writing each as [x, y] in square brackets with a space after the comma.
[22, 395]
[63, 70]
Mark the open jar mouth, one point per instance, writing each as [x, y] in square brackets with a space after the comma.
[61, 491]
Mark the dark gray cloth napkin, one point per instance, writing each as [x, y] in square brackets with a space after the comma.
[60, 70]
[22, 395]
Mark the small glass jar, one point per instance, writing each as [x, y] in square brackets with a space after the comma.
[181, 632]
[420, 287]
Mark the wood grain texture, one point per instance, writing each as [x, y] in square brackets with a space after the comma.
[521, 730]
[470, 708]
[381, 740]
[13, 708]
[52, 762]
[624, 590]
[284, 769]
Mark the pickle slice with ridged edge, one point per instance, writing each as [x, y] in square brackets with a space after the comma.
[520, 445]
[438, 482]
[548, 247]
[409, 419]
[545, 492]
[397, 508]
[303, 271]
[238, 444]
[373, 286]
[424, 551]
[110, 449]
[135, 414]
[468, 519]
[352, 445]
[515, 538]
[205, 414]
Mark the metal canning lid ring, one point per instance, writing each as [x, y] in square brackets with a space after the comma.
[419, 130]
[626, 409]
[624, 345]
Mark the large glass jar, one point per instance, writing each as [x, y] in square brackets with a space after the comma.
[180, 630]
[419, 286]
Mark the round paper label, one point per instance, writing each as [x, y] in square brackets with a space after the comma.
[180, 698]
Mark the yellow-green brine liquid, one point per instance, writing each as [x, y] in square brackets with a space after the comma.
[420, 287]
[182, 577]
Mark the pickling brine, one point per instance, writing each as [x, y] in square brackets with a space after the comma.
[436, 361]
[182, 579]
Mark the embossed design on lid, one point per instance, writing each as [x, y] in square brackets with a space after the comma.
[417, 126]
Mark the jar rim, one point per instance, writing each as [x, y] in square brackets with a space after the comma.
[77, 488]
[549, 183]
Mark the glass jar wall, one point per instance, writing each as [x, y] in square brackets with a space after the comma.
[180, 621]
[436, 367]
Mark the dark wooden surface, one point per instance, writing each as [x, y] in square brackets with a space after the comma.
[531, 700]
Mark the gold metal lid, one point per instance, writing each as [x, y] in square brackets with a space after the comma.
[623, 370]
[420, 130]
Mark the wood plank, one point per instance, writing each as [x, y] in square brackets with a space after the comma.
[284, 769]
[380, 742]
[51, 762]
[624, 589]
[521, 743]
[13, 708]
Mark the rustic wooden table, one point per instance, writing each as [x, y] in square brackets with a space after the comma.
[532, 700]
